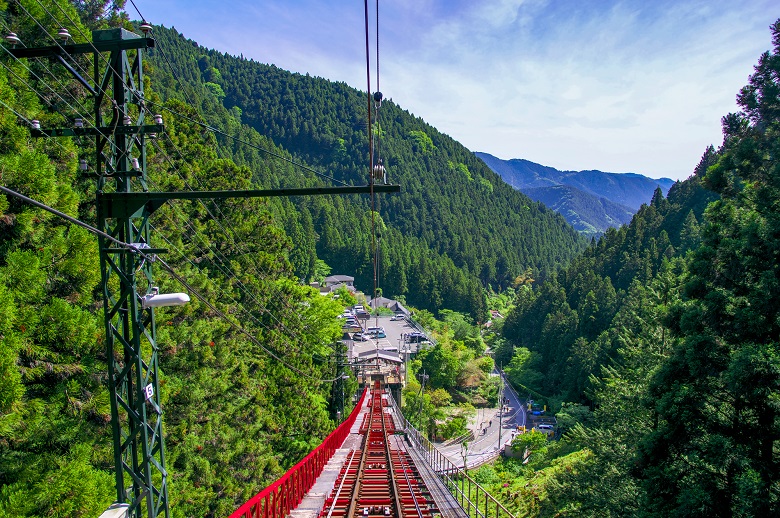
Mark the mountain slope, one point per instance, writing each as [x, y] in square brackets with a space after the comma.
[588, 214]
[455, 226]
[604, 199]
[629, 189]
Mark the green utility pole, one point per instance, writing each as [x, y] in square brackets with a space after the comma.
[124, 206]
[131, 347]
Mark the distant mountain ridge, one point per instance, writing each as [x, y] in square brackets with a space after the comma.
[591, 201]
[588, 214]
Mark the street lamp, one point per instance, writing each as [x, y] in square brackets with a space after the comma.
[464, 452]
[155, 299]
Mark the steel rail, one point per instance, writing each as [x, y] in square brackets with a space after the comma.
[405, 465]
[361, 467]
[394, 483]
[341, 485]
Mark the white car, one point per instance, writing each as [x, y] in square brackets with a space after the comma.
[546, 429]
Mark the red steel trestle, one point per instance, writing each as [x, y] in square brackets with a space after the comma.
[380, 480]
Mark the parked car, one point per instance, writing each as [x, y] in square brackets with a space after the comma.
[397, 316]
[358, 337]
[546, 429]
[372, 330]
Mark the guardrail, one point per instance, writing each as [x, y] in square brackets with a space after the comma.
[473, 498]
[416, 326]
[286, 493]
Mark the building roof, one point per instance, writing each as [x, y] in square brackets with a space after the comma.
[382, 355]
[389, 304]
[339, 278]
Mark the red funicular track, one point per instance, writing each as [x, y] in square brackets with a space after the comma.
[380, 480]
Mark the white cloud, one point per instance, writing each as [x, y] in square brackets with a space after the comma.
[621, 86]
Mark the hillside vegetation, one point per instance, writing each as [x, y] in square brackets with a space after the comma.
[454, 229]
[659, 346]
[591, 201]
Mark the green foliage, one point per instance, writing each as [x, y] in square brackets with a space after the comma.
[321, 270]
[669, 327]
[461, 169]
[570, 415]
[522, 370]
[228, 426]
[346, 298]
[421, 141]
[530, 443]
[719, 390]
[215, 90]
[486, 185]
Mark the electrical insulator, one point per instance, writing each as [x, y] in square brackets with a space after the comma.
[158, 119]
[63, 34]
[36, 124]
[136, 166]
[378, 98]
[78, 123]
[83, 165]
[12, 38]
[145, 27]
[126, 120]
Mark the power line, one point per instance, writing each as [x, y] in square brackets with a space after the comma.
[224, 266]
[152, 258]
[244, 142]
[227, 272]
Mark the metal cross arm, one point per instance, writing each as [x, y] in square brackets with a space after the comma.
[127, 204]
[109, 44]
[106, 130]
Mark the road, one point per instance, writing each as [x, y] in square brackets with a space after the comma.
[486, 445]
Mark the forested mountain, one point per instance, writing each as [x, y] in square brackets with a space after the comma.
[667, 331]
[228, 426]
[588, 214]
[455, 227]
[629, 189]
[568, 316]
[591, 201]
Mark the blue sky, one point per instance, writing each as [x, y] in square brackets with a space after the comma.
[621, 86]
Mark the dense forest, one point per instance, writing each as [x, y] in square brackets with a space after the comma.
[228, 426]
[659, 347]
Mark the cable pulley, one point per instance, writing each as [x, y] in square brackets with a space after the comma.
[379, 174]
